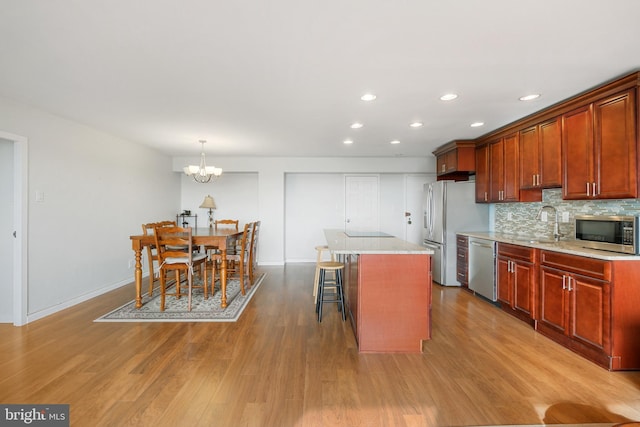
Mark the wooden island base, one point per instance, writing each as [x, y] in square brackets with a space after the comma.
[389, 301]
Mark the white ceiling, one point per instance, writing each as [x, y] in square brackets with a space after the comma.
[284, 77]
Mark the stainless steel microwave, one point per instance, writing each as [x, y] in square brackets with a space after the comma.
[608, 233]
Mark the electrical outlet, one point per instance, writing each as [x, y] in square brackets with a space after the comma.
[132, 263]
[544, 217]
[509, 216]
[565, 216]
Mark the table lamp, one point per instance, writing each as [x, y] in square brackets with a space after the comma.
[208, 203]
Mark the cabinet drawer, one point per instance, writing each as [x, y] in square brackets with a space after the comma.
[462, 256]
[462, 277]
[596, 268]
[462, 240]
[518, 252]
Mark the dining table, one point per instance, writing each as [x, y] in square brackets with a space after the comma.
[220, 237]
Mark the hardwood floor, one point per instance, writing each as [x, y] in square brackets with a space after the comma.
[277, 366]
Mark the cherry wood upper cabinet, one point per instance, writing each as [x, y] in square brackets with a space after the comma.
[482, 174]
[456, 160]
[496, 170]
[599, 146]
[550, 140]
[503, 169]
[511, 192]
[540, 155]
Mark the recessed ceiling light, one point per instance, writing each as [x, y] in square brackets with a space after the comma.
[395, 141]
[448, 97]
[347, 141]
[477, 124]
[368, 97]
[529, 97]
[416, 124]
[356, 125]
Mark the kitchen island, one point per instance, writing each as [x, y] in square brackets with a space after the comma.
[387, 290]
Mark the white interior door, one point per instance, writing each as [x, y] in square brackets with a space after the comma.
[361, 203]
[6, 230]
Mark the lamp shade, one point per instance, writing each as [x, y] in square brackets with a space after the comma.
[208, 203]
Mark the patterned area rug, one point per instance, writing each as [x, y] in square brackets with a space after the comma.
[176, 309]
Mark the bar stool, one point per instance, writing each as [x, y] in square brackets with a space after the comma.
[320, 250]
[338, 295]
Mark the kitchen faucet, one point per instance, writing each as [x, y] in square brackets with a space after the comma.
[556, 225]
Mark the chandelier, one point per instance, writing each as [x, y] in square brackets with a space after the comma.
[202, 173]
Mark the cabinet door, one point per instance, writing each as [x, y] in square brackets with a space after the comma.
[503, 280]
[554, 302]
[591, 312]
[615, 147]
[482, 174]
[496, 171]
[511, 180]
[441, 164]
[577, 150]
[451, 161]
[550, 140]
[528, 158]
[523, 287]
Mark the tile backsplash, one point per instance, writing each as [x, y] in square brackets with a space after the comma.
[520, 218]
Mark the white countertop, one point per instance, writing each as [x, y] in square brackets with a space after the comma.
[340, 243]
[565, 246]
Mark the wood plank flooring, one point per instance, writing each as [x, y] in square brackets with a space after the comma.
[277, 366]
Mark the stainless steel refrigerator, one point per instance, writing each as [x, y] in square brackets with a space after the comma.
[449, 207]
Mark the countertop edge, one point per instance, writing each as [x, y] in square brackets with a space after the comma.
[564, 246]
[340, 243]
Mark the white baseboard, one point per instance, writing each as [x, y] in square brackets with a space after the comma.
[70, 303]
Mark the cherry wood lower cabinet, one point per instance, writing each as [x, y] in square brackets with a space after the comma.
[389, 301]
[462, 261]
[517, 274]
[592, 307]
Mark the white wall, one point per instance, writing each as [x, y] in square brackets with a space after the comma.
[271, 173]
[313, 202]
[98, 190]
[6, 230]
[235, 194]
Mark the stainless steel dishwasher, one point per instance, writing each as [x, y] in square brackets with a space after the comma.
[482, 267]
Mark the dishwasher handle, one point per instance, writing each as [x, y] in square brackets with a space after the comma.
[482, 245]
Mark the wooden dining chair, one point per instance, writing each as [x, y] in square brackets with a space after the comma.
[169, 243]
[222, 223]
[152, 253]
[253, 251]
[238, 263]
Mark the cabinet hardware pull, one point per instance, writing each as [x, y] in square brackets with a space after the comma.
[594, 190]
[569, 283]
[588, 189]
[534, 180]
[564, 280]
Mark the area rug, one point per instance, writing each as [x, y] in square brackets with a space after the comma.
[202, 310]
